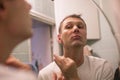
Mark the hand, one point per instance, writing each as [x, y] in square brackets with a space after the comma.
[68, 67]
[13, 62]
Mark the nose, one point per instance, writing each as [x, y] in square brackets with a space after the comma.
[76, 29]
[30, 6]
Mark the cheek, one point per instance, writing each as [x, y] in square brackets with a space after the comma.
[83, 32]
[65, 35]
[65, 38]
[85, 36]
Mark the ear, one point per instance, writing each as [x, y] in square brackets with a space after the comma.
[59, 38]
[3, 11]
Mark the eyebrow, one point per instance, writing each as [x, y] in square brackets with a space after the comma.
[76, 22]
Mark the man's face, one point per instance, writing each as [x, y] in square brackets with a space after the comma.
[73, 32]
[19, 20]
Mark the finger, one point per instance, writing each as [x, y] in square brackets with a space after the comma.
[58, 76]
[58, 60]
[54, 76]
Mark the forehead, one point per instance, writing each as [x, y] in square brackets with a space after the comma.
[72, 20]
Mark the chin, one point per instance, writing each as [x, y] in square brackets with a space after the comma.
[27, 35]
[77, 44]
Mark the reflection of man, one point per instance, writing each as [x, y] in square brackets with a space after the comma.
[72, 35]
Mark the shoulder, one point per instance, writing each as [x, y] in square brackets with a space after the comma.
[102, 66]
[15, 74]
[98, 62]
[94, 59]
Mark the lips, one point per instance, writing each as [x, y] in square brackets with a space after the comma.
[76, 37]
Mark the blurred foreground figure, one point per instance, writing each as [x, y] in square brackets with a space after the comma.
[15, 27]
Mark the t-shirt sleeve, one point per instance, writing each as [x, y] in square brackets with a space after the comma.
[107, 72]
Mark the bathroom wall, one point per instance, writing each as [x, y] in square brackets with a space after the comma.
[106, 47]
[23, 51]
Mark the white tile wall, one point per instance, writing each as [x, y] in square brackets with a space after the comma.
[23, 51]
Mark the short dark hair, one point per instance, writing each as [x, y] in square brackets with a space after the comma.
[72, 16]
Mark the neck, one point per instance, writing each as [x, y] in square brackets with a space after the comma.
[75, 53]
[6, 47]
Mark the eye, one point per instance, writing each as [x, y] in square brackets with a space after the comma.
[80, 26]
[68, 26]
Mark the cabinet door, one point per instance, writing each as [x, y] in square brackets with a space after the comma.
[45, 7]
[41, 45]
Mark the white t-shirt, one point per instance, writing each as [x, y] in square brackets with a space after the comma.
[93, 68]
[8, 73]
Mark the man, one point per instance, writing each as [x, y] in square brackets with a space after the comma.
[15, 27]
[72, 35]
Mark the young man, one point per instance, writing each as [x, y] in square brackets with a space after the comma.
[72, 35]
[15, 27]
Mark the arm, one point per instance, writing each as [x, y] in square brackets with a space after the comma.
[13, 62]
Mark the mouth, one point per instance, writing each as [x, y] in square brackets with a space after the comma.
[76, 37]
